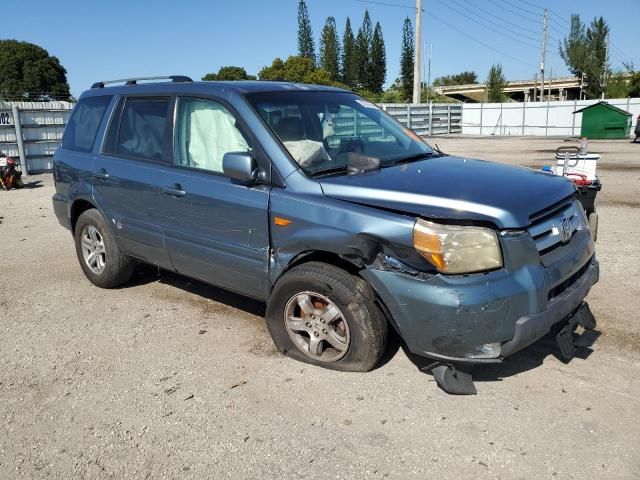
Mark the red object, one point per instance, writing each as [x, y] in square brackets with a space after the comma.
[578, 178]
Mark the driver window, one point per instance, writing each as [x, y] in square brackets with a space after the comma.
[206, 131]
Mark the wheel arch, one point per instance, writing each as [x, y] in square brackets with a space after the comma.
[78, 207]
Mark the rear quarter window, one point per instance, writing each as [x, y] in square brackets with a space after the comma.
[83, 125]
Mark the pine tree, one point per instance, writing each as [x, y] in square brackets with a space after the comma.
[349, 67]
[330, 49]
[496, 82]
[378, 64]
[407, 55]
[584, 51]
[306, 46]
[363, 51]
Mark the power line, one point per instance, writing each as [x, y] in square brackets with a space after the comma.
[560, 17]
[515, 39]
[526, 17]
[462, 32]
[386, 4]
[491, 15]
[531, 4]
[560, 27]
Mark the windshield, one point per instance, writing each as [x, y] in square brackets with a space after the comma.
[328, 132]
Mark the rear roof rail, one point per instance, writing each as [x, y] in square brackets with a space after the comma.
[134, 81]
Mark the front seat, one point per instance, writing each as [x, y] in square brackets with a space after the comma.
[290, 129]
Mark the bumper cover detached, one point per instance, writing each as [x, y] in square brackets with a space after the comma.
[452, 319]
[532, 327]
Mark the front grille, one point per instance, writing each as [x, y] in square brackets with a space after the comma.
[558, 289]
[555, 227]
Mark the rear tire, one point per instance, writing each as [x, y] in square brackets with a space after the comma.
[100, 257]
[322, 315]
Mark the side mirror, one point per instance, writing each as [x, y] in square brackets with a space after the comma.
[240, 166]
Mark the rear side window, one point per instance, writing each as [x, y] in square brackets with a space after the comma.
[142, 128]
[83, 125]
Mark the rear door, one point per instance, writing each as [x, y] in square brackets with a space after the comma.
[73, 161]
[134, 163]
[215, 229]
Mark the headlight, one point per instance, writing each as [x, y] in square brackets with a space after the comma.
[457, 249]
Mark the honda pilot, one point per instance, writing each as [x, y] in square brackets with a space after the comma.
[317, 202]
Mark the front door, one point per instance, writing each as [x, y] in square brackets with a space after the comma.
[215, 229]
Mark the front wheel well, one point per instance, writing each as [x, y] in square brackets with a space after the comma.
[324, 257]
[77, 208]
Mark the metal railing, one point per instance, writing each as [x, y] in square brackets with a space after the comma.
[427, 119]
[31, 132]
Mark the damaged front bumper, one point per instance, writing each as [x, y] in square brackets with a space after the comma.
[482, 318]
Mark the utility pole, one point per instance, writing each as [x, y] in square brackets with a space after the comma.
[605, 66]
[544, 52]
[429, 70]
[417, 82]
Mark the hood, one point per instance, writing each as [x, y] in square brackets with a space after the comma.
[455, 188]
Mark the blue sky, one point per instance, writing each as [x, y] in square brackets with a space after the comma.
[117, 38]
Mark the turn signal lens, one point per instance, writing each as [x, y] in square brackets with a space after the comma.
[457, 249]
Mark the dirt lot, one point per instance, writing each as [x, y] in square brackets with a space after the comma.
[169, 378]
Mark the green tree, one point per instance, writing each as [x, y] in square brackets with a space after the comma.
[407, 54]
[617, 86]
[28, 72]
[584, 52]
[349, 67]
[573, 48]
[296, 69]
[378, 64]
[363, 52]
[330, 49]
[598, 60]
[633, 89]
[462, 78]
[306, 46]
[229, 73]
[496, 82]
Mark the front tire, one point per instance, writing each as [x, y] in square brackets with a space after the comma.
[100, 258]
[322, 315]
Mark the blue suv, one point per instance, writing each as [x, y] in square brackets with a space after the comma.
[342, 220]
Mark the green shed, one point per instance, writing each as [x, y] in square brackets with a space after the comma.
[602, 120]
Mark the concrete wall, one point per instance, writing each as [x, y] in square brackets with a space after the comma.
[534, 118]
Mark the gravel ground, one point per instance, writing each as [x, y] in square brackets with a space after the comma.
[171, 378]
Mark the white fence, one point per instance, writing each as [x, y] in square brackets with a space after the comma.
[533, 118]
[31, 131]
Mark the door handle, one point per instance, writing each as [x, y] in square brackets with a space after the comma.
[102, 174]
[174, 191]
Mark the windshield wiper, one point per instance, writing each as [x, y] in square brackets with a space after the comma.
[410, 158]
[329, 171]
[414, 158]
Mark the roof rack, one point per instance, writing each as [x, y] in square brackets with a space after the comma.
[134, 81]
